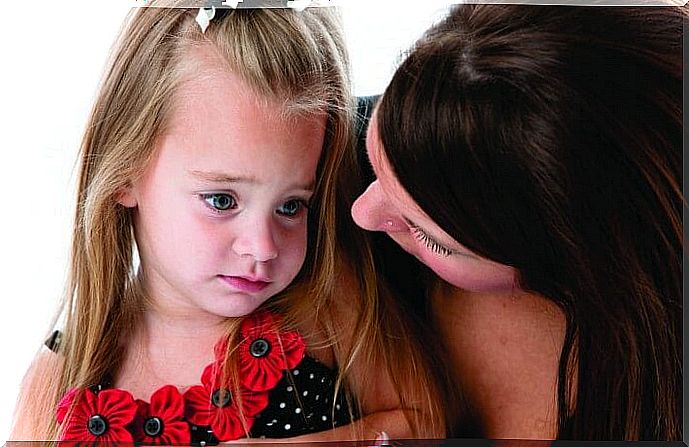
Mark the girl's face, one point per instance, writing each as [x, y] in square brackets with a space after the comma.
[221, 211]
[386, 206]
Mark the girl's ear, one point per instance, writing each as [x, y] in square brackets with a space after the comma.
[126, 197]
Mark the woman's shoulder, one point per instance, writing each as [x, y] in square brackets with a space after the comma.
[36, 392]
[504, 350]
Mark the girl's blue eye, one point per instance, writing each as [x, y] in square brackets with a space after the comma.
[220, 201]
[291, 208]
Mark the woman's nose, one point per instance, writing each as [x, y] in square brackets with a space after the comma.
[256, 240]
[373, 211]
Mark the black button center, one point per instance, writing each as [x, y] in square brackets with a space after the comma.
[97, 425]
[153, 426]
[221, 398]
[259, 348]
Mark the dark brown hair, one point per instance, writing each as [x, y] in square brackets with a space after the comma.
[550, 139]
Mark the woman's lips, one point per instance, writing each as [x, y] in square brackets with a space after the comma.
[245, 285]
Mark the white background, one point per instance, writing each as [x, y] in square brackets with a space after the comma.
[51, 58]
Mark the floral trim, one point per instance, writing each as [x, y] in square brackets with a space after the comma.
[264, 352]
[214, 404]
[162, 421]
[112, 415]
[97, 417]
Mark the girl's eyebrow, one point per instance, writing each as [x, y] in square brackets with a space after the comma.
[219, 177]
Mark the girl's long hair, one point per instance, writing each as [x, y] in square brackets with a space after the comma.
[297, 58]
[550, 139]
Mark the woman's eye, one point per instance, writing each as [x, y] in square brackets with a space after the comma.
[219, 201]
[431, 243]
[291, 208]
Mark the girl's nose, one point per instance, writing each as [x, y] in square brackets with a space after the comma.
[257, 241]
[373, 211]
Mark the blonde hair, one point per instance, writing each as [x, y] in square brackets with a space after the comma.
[297, 58]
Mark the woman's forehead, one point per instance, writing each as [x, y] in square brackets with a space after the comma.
[376, 155]
[393, 189]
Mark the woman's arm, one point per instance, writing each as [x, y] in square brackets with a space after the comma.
[362, 429]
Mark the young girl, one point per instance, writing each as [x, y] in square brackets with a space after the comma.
[213, 156]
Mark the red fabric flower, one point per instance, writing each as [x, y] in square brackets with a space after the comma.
[162, 421]
[65, 404]
[99, 417]
[213, 404]
[265, 352]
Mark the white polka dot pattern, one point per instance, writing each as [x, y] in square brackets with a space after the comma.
[301, 403]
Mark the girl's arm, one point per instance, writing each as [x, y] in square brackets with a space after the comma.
[368, 380]
[33, 415]
[380, 406]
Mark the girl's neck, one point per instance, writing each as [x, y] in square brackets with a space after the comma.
[170, 346]
[170, 319]
[160, 323]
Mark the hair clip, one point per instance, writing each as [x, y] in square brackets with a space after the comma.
[231, 3]
[204, 17]
[298, 5]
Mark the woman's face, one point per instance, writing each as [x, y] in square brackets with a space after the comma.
[386, 206]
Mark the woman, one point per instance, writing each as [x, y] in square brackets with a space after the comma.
[531, 157]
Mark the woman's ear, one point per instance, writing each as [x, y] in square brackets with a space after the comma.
[126, 197]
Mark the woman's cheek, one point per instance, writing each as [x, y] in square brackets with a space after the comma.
[472, 274]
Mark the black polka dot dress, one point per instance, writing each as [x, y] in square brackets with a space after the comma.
[281, 401]
[303, 402]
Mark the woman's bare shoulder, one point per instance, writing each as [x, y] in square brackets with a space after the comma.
[38, 388]
[505, 352]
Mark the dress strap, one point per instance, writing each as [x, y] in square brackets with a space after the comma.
[53, 342]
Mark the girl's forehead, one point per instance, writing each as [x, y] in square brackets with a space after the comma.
[209, 87]
[219, 98]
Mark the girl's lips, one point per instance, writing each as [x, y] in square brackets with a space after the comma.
[243, 284]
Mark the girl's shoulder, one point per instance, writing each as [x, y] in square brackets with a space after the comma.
[331, 330]
[37, 390]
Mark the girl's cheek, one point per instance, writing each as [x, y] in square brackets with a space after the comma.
[292, 241]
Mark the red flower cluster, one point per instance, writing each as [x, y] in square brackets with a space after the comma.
[162, 421]
[96, 417]
[264, 352]
[112, 415]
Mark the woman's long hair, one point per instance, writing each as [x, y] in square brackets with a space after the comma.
[550, 139]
